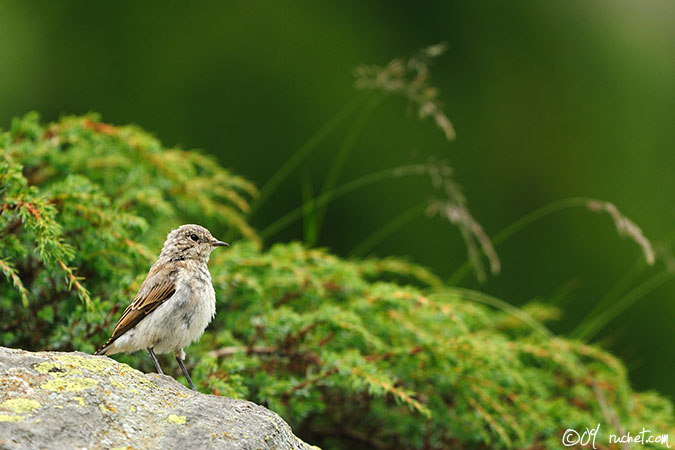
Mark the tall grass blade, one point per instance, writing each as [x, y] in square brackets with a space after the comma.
[294, 161]
[637, 293]
[340, 159]
[326, 197]
[624, 226]
[382, 233]
[609, 298]
[308, 213]
[486, 299]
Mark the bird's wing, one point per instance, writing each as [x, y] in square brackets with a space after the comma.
[157, 288]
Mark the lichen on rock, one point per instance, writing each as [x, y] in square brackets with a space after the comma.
[74, 400]
[20, 405]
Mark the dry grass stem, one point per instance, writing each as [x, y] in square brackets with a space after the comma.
[452, 206]
[625, 227]
[410, 79]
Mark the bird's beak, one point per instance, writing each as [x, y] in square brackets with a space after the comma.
[220, 244]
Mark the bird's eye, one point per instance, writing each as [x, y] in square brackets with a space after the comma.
[194, 237]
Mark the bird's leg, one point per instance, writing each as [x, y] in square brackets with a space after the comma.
[155, 362]
[185, 372]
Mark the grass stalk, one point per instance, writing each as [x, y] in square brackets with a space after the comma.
[339, 162]
[634, 295]
[385, 231]
[309, 212]
[479, 297]
[301, 153]
[628, 279]
[518, 225]
[328, 196]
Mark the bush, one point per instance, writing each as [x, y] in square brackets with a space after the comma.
[353, 353]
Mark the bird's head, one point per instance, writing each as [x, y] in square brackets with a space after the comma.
[190, 242]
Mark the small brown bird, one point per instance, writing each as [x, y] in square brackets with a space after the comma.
[174, 304]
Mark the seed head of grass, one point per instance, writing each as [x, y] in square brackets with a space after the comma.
[451, 205]
[625, 227]
[409, 78]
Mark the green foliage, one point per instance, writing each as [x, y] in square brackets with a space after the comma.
[353, 353]
[83, 200]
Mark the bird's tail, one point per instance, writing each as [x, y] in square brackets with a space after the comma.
[104, 348]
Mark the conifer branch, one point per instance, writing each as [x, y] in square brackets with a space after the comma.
[74, 281]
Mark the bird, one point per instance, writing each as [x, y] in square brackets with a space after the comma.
[175, 303]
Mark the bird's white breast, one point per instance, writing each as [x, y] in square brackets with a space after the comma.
[177, 322]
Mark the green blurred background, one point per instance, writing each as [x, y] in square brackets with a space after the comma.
[549, 99]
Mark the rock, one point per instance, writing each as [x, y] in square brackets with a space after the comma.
[74, 400]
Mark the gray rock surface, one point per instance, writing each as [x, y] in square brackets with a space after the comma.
[57, 400]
